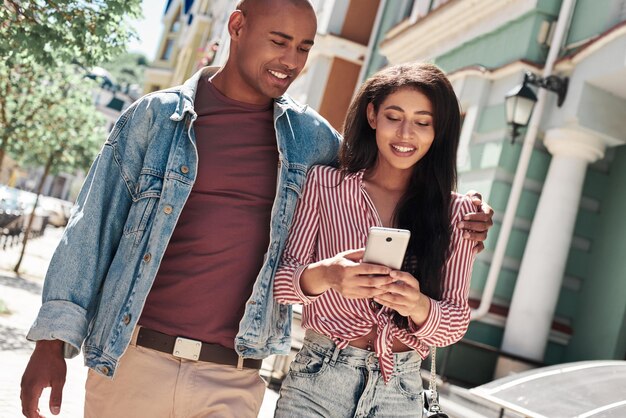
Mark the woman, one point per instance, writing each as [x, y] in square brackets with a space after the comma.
[368, 327]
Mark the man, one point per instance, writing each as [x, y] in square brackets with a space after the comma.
[164, 273]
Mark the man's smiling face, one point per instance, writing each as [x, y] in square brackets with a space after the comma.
[271, 47]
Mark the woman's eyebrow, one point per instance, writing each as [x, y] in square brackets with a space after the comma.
[417, 112]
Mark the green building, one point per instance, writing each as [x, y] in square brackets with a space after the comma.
[560, 294]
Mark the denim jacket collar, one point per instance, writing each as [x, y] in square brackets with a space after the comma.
[187, 95]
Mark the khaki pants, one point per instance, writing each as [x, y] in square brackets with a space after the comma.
[149, 383]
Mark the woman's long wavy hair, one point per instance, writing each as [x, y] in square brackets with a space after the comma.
[424, 208]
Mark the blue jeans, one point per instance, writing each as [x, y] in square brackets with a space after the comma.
[325, 381]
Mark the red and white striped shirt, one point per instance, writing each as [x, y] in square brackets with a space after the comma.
[333, 215]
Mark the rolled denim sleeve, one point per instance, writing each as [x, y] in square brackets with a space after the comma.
[300, 248]
[83, 257]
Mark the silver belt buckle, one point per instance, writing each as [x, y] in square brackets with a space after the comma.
[187, 349]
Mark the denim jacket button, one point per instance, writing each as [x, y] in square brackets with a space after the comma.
[167, 209]
[147, 257]
[184, 169]
[105, 370]
[126, 319]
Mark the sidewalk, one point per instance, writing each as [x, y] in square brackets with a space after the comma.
[22, 296]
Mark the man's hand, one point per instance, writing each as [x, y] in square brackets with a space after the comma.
[46, 368]
[475, 225]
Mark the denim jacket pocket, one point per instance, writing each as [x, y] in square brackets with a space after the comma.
[294, 185]
[145, 199]
[295, 180]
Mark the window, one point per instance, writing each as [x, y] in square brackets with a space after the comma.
[175, 23]
[424, 7]
[404, 11]
[436, 3]
[167, 51]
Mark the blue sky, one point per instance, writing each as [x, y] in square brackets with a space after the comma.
[149, 28]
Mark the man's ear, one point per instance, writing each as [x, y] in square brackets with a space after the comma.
[371, 115]
[236, 22]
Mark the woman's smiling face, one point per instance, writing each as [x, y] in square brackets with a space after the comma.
[404, 128]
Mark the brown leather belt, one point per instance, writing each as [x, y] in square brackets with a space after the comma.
[193, 350]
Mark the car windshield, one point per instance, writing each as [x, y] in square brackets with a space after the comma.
[582, 389]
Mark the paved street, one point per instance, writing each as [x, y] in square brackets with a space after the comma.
[22, 296]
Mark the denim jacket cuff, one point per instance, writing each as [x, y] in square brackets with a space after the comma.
[60, 320]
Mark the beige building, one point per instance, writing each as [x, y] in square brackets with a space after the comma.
[191, 34]
[8, 170]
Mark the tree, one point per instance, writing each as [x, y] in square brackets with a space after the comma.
[38, 36]
[127, 68]
[46, 113]
[27, 92]
[69, 131]
[57, 31]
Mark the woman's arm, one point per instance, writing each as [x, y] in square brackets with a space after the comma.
[443, 322]
[301, 277]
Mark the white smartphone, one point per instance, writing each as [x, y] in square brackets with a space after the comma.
[386, 246]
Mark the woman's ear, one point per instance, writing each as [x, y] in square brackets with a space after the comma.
[371, 115]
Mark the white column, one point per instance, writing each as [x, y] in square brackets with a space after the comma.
[543, 265]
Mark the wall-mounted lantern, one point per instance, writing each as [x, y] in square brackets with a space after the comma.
[521, 100]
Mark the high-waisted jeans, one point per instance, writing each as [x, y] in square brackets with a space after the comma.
[325, 381]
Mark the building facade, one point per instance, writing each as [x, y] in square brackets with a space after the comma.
[338, 60]
[561, 288]
[192, 32]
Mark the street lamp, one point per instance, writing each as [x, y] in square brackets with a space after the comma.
[521, 100]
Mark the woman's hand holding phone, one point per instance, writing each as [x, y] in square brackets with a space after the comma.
[387, 246]
[403, 295]
[345, 274]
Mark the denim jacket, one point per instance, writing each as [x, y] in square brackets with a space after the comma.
[127, 209]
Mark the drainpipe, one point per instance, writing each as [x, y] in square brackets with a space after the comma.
[562, 26]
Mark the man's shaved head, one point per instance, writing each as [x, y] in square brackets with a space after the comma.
[251, 8]
[269, 45]
[254, 9]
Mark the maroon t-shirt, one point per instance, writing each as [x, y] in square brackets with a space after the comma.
[217, 248]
